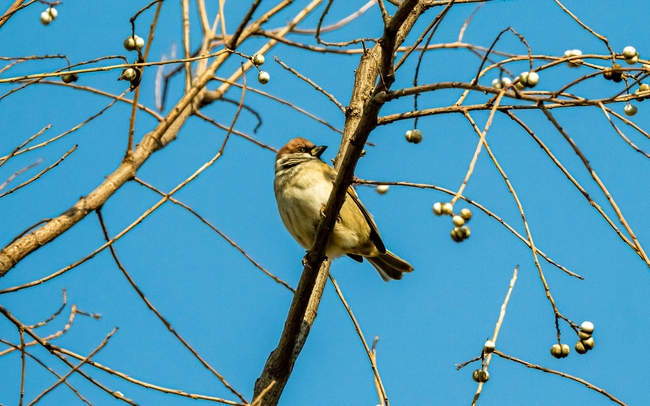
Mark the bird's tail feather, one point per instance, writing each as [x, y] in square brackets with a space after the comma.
[390, 266]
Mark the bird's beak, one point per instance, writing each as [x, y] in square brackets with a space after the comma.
[318, 151]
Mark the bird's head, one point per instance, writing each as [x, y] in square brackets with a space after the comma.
[300, 145]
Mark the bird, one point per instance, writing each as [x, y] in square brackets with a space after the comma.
[302, 186]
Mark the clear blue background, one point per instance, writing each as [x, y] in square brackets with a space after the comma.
[233, 314]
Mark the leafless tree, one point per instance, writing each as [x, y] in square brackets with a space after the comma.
[408, 30]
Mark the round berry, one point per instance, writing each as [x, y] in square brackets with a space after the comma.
[565, 350]
[258, 59]
[489, 346]
[496, 83]
[629, 52]
[533, 79]
[589, 343]
[69, 77]
[53, 12]
[580, 348]
[128, 74]
[458, 221]
[414, 136]
[139, 43]
[523, 78]
[455, 234]
[447, 208]
[556, 351]
[382, 189]
[480, 376]
[46, 18]
[437, 209]
[263, 77]
[587, 327]
[466, 214]
[630, 110]
[129, 44]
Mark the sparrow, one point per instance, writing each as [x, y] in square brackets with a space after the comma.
[302, 185]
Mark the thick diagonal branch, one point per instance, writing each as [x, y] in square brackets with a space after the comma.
[361, 120]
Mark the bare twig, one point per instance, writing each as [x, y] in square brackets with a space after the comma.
[38, 175]
[478, 206]
[562, 374]
[312, 83]
[74, 369]
[159, 315]
[502, 315]
[381, 392]
[222, 235]
[601, 185]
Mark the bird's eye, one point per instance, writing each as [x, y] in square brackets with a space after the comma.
[302, 149]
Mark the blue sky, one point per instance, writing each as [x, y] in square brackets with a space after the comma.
[436, 317]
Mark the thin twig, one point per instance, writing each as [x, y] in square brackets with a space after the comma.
[479, 146]
[158, 314]
[38, 175]
[41, 363]
[312, 83]
[478, 206]
[75, 368]
[529, 235]
[19, 147]
[562, 374]
[357, 328]
[216, 230]
[18, 173]
[502, 315]
[136, 95]
[600, 184]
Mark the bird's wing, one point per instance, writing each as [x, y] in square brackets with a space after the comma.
[374, 232]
